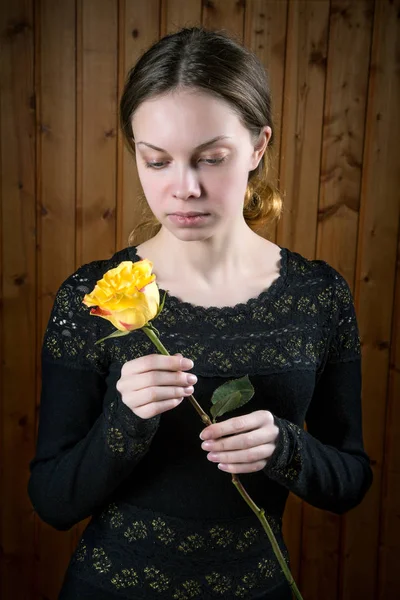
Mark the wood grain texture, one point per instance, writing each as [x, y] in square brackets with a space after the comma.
[18, 236]
[265, 34]
[302, 119]
[339, 199]
[225, 15]
[375, 276]
[343, 133]
[97, 224]
[389, 535]
[179, 13]
[55, 51]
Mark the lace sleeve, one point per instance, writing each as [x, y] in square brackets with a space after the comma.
[71, 332]
[345, 340]
[327, 465]
[86, 447]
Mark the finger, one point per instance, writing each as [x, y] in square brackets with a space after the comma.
[156, 395]
[156, 408]
[157, 379]
[154, 362]
[250, 439]
[236, 425]
[242, 456]
[242, 467]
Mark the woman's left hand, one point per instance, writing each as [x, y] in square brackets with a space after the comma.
[242, 444]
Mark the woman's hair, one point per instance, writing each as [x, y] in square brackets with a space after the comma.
[195, 58]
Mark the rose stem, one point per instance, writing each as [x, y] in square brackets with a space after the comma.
[259, 512]
[156, 341]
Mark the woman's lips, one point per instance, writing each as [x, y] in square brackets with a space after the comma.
[185, 220]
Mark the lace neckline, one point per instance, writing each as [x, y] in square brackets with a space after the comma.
[176, 303]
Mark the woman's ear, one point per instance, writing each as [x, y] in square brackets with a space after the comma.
[260, 146]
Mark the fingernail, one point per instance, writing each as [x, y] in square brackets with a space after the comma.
[206, 445]
[186, 363]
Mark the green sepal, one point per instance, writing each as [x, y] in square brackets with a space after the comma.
[150, 325]
[161, 306]
[231, 395]
[117, 333]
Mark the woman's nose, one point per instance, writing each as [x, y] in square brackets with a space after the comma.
[187, 184]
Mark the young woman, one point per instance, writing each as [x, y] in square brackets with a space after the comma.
[117, 441]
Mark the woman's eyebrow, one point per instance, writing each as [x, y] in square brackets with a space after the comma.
[204, 145]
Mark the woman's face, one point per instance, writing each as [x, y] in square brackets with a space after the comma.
[194, 155]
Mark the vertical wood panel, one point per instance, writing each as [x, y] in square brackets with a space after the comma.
[56, 210]
[17, 171]
[343, 133]
[179, 13]
[96, 216]
[389, 543]
[342, 150]
[141, 29]
[225, 15]
[302, 118]
[265, 35]
[376, 262]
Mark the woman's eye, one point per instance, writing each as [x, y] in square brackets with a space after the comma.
[214, 161]
[208, 161]
[154, 165]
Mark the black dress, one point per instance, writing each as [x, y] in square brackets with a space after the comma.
[166, 522]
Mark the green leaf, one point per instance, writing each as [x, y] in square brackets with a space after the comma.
[231, 395]
[117, 333]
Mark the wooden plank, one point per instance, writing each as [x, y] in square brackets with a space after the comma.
[265, 34]
[18, 237]
[227, 15]
[343, 133]
[376, 264]
[302, 119]
[96, 211]
[340, 187]
[389, 539]
[140, 29]
[176, 14]
[55, 74]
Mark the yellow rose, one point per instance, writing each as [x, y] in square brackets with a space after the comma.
[127, 296]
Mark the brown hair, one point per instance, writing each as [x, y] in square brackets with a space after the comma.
[216, 63]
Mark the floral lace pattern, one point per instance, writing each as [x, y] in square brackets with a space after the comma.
[251, 569]
[289, 463]
[305, 318]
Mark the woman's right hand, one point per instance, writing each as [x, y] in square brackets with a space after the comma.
[152, 384]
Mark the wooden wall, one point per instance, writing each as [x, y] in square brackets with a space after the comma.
[67, 196]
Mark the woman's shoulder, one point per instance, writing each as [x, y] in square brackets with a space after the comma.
[89, 273]
[71, 332]
[309, 271]
[315, 283]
